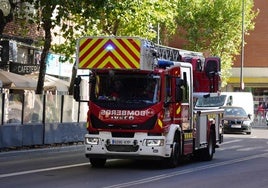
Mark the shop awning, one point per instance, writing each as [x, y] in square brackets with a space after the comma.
[15, 81]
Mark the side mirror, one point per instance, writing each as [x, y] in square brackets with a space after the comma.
[179, 94]
[76, 94]
[179, 82]
[179, 90]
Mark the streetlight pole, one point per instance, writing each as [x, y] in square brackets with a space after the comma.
[158, 33]
[242, 47]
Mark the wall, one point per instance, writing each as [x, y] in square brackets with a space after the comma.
[35, 120]
[41, 134]
[256, 43]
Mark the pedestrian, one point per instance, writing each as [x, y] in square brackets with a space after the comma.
[260, 111]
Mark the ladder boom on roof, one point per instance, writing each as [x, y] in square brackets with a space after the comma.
[168, 53]
[175, 54]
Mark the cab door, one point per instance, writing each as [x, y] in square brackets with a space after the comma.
[185, 107]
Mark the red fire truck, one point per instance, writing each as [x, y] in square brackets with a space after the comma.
[142, 101]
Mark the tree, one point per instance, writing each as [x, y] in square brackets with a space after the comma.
[209, 26]
[118, 18]
[215, 26]
[206, 25]
[49, 14]
[113, 17]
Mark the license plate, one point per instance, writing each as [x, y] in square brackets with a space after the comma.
[236, 126]
[121, 142]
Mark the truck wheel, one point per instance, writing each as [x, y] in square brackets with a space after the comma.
[207, 153]
[173, 160]
[97, 162]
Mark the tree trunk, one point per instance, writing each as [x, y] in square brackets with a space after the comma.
[74, 73]
[2, 23]
[47, 25]
[42, 71]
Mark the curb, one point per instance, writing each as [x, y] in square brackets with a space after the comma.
[38, 151]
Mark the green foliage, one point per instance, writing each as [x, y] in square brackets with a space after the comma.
[212, 26]
[215, 26]
[118, 18]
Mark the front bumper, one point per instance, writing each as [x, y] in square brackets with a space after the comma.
[141, 146]
[238, 129]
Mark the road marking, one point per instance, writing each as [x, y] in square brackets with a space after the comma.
[231, 141]
[177, 173]
[145, 180]
[41, 170]
[231, 147]
[249, 148]
[254, 137]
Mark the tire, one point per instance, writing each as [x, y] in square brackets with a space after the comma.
[97, 162]
[208, 152]
[173, 160]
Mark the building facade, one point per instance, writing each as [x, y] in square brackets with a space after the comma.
[255, 66]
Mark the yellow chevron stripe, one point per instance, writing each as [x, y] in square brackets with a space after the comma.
[108, 60]
[121, 59]
[101, 53]
[96, 60]
[81, 42]
[130, 45]
[160, 123]
[93, 52]
[178, 110]
[138, 43]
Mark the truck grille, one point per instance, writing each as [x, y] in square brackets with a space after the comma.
[122, 148]
[236, 122]
[98, 124]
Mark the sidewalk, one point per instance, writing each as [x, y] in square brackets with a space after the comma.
[260, 123]
[42, 151]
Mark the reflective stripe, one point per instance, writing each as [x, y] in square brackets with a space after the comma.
[160, 123]
[178, 111]
[188, 135]
[109, 53]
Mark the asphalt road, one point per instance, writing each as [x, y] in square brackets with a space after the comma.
[240, 162]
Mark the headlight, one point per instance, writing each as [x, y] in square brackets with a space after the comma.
[92, 140]
[225, 122]
[247, 123]
[154, 142]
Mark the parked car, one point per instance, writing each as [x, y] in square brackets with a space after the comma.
[236, 120]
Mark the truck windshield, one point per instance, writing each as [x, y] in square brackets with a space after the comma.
[130, 88]
[214, 101]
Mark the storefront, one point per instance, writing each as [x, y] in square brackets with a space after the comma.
[255, 81]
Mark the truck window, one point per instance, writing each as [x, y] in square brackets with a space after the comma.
[126, 88]
[212, 101]
[185, 88]
[168, 96]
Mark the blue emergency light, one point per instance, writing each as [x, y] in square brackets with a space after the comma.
[162, 63]
[109, 47]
